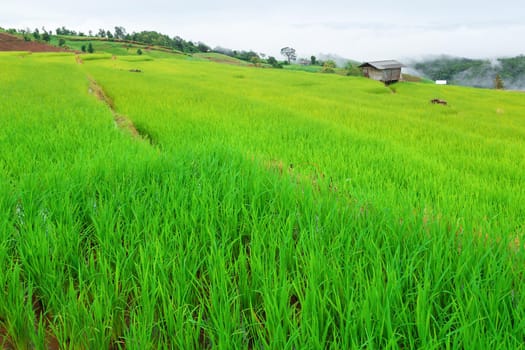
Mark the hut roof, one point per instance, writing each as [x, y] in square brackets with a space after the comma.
[388, 64]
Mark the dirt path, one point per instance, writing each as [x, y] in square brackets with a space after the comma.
[122, 122]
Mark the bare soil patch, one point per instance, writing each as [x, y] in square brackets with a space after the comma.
[13, 43]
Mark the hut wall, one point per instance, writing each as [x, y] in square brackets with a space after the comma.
[373, 73]
[391, 75]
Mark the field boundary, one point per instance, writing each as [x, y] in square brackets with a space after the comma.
[121, 121]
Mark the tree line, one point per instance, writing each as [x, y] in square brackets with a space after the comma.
[119, 33]
[30, 35]
[153, 38]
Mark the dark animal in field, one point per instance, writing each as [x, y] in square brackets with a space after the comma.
[438, 101]
[135, 70]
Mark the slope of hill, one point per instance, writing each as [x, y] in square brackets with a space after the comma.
[115, 47]
[244, 208]
[220, 58]
[476, 72]
[13, 43]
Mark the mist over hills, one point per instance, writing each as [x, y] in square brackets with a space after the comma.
[474, 72]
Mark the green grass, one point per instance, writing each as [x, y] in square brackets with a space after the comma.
[303, 68]
[220, 58]
[119, 48]
[313, 69]
[262, 209]
[15, 53]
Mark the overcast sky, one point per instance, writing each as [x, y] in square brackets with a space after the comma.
[364, 30]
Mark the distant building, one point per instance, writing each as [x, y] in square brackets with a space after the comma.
[441, 82]
[386, 71]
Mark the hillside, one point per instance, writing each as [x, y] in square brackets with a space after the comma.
[178, 203]
[151, 42]
[13, 43]
[476, 72]
[116, 47]
[220, 58]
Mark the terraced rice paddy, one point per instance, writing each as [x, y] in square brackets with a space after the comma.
[255, 208]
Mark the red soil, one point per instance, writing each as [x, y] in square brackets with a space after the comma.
[12, 43]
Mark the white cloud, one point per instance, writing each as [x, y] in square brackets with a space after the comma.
[363, 31]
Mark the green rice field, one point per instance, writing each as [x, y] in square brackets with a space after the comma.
[168, 202]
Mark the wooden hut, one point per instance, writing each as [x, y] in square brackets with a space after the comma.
[386, 71]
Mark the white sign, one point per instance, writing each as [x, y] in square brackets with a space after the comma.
[441, 82]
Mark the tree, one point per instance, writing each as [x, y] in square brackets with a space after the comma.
[313, 60]
[139, 52]
[289, 53]
[498, 82]
[45, 35]
[101, 33]
[256, 61]
[203, 47]
[120, 33]
[242, 55]
[271, 60]
[83, 48]
[61, 42]
[65, 31]
[36, 34]
[329, 67]
[90, 48]
[352, 69]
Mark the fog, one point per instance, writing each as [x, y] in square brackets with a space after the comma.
[471, 72]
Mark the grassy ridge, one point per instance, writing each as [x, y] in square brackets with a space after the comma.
[121, 48]
[274, 209]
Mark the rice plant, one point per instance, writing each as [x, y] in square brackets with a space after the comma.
[260, 208]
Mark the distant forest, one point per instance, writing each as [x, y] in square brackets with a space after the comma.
[476, 72]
